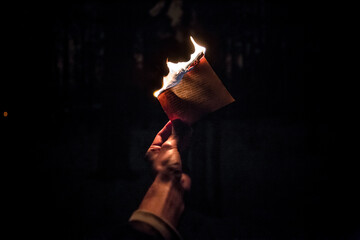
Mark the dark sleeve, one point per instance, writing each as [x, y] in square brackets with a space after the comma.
[132, 234]
[153, 226]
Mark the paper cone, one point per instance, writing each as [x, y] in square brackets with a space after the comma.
[199, 92]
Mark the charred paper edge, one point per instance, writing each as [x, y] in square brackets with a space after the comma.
[179, 76]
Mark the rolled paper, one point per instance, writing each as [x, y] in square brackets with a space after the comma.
[199, 92]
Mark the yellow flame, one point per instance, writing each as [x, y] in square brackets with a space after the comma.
[176, 68]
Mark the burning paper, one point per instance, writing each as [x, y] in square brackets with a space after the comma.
[192, 89]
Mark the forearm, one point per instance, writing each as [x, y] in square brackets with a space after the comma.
[164, 199]
[161, 208]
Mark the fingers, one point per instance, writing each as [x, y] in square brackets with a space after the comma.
[185, 182]
[176, 129]
[163, 134]
[159, 140]
[164, 151]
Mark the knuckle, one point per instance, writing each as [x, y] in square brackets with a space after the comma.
[169, 145]
[151, 153]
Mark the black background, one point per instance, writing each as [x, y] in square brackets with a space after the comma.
[77, 85]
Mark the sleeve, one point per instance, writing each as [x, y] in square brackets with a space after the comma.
[149, 223]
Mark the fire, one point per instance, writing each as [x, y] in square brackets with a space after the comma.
[177, 70]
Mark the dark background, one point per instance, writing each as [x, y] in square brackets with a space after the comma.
[77, 85]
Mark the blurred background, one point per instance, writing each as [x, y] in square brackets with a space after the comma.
[77, 89]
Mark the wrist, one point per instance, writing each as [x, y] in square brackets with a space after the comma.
[164, 199]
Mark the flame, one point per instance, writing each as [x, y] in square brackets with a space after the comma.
[177, 70]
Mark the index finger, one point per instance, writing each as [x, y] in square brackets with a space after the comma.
[163, 134]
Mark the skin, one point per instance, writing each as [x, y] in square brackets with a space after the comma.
[164, 198]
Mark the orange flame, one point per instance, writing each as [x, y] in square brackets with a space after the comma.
[177, 70]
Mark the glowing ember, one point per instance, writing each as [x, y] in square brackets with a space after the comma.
[177, 70]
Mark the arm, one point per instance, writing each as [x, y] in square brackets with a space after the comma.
[163, 204]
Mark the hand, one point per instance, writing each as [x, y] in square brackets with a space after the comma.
[165, 197]
[164, 153]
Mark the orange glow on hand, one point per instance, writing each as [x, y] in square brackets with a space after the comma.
[5, 114]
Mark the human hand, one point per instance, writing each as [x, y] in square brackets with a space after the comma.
[163, 203]
[164, 152]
